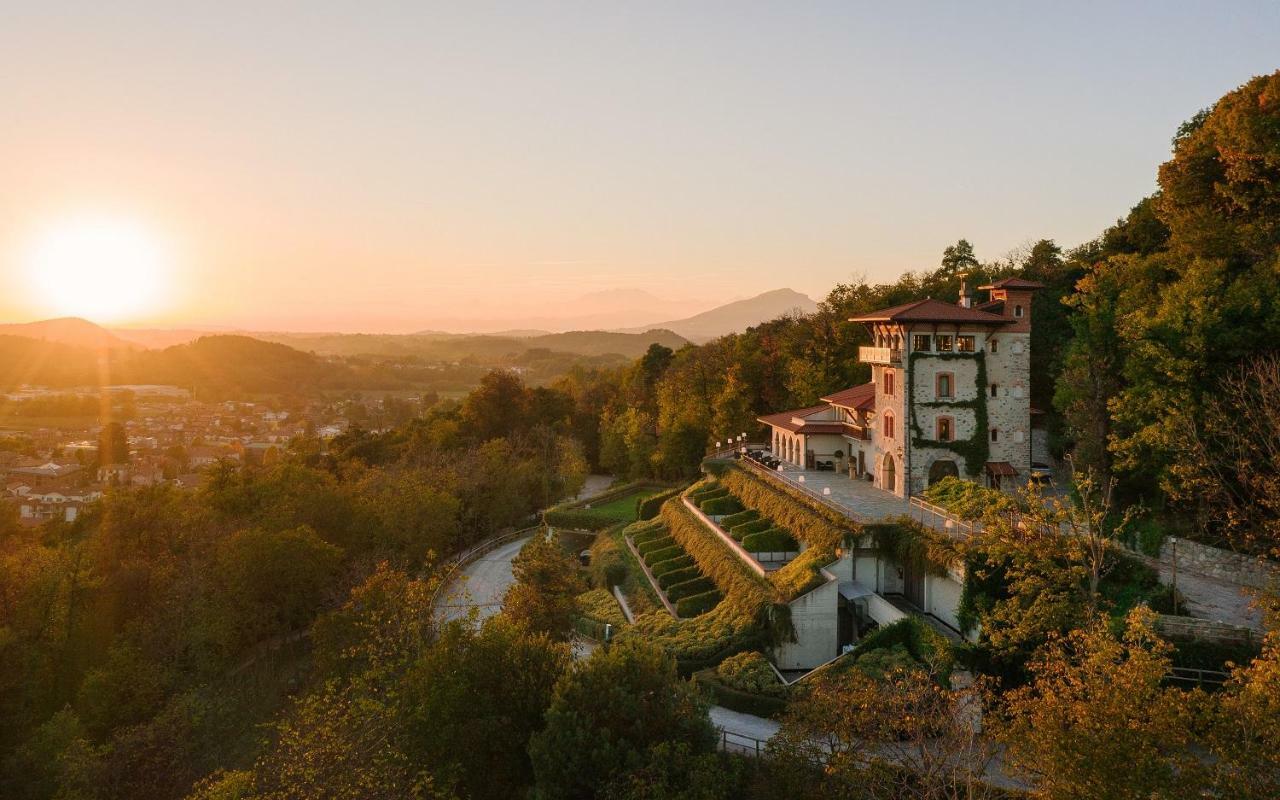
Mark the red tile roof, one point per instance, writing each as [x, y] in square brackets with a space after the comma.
[858, 397]
[786, 421]
[1013, 283]
[931, 311]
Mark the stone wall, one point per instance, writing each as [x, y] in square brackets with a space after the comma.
[1222, 564]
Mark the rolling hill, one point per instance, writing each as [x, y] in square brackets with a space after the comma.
[72, 331]
[739, 315]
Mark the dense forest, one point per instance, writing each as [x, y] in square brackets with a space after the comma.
[272, 635]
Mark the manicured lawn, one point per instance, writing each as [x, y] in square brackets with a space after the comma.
[622, 509]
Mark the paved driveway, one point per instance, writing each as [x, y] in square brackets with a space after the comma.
[481, 584]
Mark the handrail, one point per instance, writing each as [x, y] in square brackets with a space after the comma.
[742, 743]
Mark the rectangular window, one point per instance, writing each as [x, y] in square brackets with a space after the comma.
[888, 382]
[993, 390]
[964, 344]
[944, 343]
[944, 429]
[994, 345]
[995, 435]
[922, 343]
[944, 384]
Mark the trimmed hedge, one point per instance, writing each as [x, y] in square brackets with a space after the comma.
[698, 603]
[671, 565]
[600, 605]
[608, 564]
[741, 518]
[663, 554]
[575, 514]
[669, 579]
[716, 560]
[648, 507]
[774, 540]
[740, 532]
[644, 531]
[689, 587]
[722, 694]
[721, 506]
[716, 494]
[803, 574]
[655, 543]
[808, 521]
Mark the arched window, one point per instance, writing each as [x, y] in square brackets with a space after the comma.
[946, 429]
[888, 425]
[889, 382]
[1017, 311]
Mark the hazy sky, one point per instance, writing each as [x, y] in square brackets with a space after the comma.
[376, 166]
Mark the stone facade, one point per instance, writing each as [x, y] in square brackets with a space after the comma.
[1235, 568]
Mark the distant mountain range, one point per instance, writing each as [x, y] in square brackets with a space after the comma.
[739, 315]
[71, 331]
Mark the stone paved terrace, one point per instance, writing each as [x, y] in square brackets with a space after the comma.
[860, 500]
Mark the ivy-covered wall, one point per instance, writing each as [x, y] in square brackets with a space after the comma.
[973, 450]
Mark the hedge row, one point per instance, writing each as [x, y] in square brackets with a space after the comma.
[741, 518]
[671, 565]
[758, 525]
[642, 532]
[721, 506]
[652, 544]
[803, 574]
[608, 552]
[600, 605]
[648, 507]
[575, 514]
[743, 587]
[758, 705]
[671, 551]
[699, 603]
[608, 562]
[698, 584]
[809, 522]
[669, 579]
[774, 540]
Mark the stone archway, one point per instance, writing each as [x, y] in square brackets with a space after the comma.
[942, 468]
[889, 475]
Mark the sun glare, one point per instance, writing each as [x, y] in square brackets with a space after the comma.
[104, 269]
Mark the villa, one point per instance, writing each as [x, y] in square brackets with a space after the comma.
[949, 395]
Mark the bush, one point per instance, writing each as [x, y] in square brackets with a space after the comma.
[663, 554]
[750, 672]
[968, 499]
[741, 518]
[698, 603]
[648, 507]
[670, 579]
[600, 605]
[808, 522]
[689, 587]
[774, 540]
[739, 532]
[721, 506]
[656, 543]
[608, 564]
[736, 700]
[642, 532]
[671, 565]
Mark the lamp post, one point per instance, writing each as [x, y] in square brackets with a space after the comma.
[1173, 541]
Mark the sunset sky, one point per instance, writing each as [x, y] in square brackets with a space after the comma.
[394, 167]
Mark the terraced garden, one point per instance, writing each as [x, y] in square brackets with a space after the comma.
[678, 575]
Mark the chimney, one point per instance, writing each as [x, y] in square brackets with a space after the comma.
[966, 293]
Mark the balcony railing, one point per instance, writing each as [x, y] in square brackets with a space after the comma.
[879, 355]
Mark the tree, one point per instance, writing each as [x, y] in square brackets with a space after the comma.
[113, 444]
[608, 714]
[1096, 720]
[473, 700]
[903, 734]
[543, 598]
[959, 257]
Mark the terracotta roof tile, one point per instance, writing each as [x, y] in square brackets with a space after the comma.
[931, 310]
[858, 397]
[1013, 283]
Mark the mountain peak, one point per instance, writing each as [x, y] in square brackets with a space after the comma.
[738, 315]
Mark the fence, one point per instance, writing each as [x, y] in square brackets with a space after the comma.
[449, 569]
[742, 744]
[1197, 677]
[1204, 630]
[940, 519]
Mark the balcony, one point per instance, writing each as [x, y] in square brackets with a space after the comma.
[879, 355]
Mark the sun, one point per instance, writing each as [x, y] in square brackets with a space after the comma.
[102, 268]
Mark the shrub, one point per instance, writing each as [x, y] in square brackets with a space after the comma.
[750, 672]
[648, 507]
[600, 605]
[721, 506]
[736, 700]
[740, 532]
[774, 540]
[656, 543]
[741, 518]
[670, 579]
[644, 531]
[671, 565]
[716, 560]
[689, 588]
[803, 574]
[662, 555]
[608, 564]
[813, 524]
[968, 499]
[698, 603]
